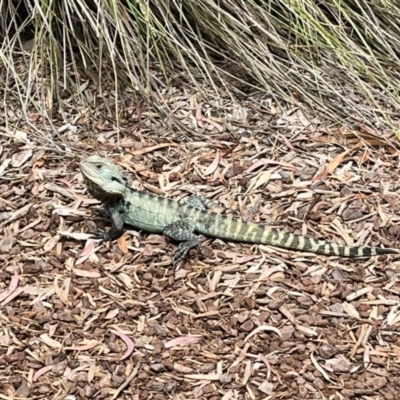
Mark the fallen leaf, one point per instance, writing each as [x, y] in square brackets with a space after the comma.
[152, 148]
[122, 244]
[41, 372]
[205, 377]
[334, 163]
[262, 328]
[215, 124]
[128, 342]
[86, 274]
[86, 345]
[19, 159]
[183, 340]
[112, 313]
[214, 165]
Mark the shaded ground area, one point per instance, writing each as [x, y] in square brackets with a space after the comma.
[233, 322]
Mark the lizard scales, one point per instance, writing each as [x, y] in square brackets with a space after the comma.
[152, 213]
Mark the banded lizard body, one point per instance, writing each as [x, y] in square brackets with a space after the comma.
[151, 213]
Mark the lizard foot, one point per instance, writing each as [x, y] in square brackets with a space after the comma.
[101, 212]
[102, 235]
[181, 252]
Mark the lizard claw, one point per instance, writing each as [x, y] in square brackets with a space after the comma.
[102, 235]
[182, 250]
[101, 212]
[180, 253]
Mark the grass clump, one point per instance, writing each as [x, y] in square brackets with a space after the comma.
[338, 58]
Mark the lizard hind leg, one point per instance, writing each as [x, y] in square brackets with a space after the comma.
[182, 231]
[203, 203]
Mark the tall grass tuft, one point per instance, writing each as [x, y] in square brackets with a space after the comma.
[338, 58]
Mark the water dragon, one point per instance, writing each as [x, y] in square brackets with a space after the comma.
[124, 205]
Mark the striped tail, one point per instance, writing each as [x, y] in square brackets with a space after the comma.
[237, 230]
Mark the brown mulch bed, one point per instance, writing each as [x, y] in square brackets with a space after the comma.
[237, 321]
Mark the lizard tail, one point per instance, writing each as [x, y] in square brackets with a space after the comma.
[237, 230]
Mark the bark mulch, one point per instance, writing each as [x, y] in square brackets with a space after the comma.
[81, 320]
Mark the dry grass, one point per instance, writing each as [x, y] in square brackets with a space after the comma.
[338, 59]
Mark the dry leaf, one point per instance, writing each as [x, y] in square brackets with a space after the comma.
[41, 372]
[261, 329]
[334, 163]
[129, 344]
[86, 274]
[122, 244]
[184, 340]
[214, 165]
[19, 159]
[152, 148]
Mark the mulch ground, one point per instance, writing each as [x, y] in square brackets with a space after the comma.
[81, 320]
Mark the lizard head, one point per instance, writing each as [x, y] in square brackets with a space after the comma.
[104, 180]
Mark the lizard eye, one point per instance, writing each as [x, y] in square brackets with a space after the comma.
[98, 166]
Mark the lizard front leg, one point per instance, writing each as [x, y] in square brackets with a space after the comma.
[116, 213]
[182, 231]
[101, 212]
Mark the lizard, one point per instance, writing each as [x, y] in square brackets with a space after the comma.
[107, 183]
